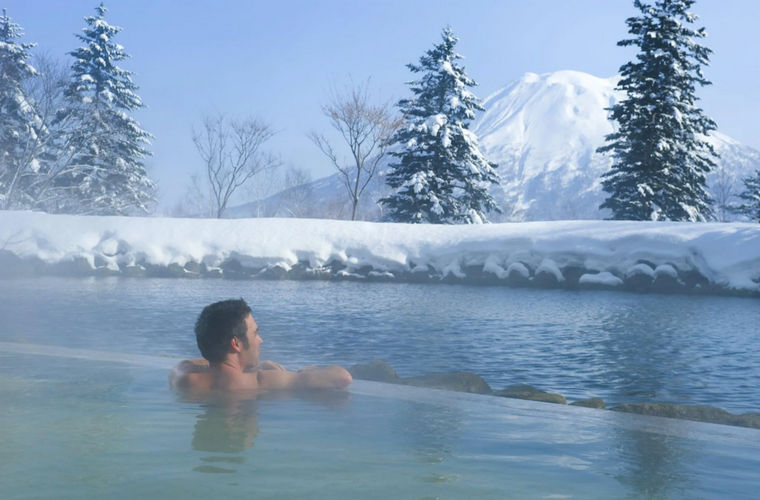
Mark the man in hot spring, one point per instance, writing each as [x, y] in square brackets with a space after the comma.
[229, 341]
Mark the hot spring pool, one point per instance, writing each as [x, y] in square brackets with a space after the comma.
[75, 426]
[87, 412]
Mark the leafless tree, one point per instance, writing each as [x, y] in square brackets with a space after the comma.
[232, 154]
[724, 192]
[30, 168]
[47, 89]
[365, 129]
[197, 200]
[54, 148]
[266, 185]
[288, 194]
[298, 193]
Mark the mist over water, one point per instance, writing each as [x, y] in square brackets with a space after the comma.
[619, 346]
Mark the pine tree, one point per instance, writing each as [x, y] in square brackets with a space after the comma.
[751, 197]
[661, 157]
[441, 176]
[21, 128]
[105, 174]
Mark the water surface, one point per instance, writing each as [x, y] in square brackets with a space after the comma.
[82, 427]
[87, 412]
[623, 347]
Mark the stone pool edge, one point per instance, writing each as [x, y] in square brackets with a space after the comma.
[467, 382]
[521, 407]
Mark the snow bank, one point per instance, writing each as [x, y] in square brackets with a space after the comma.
[714, 257]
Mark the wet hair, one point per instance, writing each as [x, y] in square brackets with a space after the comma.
[217, 324]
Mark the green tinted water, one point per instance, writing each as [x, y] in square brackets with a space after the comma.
[80, 427]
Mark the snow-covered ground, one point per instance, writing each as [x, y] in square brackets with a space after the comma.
[586, 254]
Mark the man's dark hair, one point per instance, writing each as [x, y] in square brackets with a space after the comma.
[217, 324]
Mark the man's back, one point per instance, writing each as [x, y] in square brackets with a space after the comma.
[196, 376]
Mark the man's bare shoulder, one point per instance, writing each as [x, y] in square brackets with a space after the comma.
[191, 374]
[197, 376]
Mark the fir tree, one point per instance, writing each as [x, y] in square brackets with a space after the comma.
[105, 173]
[661, 157]
[440, 175]
[751, 197]
[21, 128]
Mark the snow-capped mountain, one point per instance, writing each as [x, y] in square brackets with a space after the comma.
[543, 132]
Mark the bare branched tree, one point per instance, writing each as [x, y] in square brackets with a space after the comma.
[365, 129]
[47, 92]
[298, 193]
[288, 194]
[197, 200]
[232, 154]
[267, 184]
[29, 168]
[725, 195]
[47, 89]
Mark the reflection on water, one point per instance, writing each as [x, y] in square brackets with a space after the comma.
[228, 424]
[430, 430]
[654, 466]
[226, 429]
[644, 366]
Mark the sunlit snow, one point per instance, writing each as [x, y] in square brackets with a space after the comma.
[726, 255]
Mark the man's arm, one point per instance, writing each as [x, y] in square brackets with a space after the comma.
[325, 377]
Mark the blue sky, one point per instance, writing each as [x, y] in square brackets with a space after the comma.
[279, 60]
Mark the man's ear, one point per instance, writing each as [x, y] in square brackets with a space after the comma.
[235, 344]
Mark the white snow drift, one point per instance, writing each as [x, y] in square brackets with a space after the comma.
[599, 253]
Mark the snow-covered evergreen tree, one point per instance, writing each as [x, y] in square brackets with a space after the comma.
[661, 157]
[105, 172]
[751, 197]
[21, 128]
[440, 175]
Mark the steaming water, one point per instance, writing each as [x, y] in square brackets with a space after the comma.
[87, 413]
[619, 346]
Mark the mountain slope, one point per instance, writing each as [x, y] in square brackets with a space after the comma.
[543, 131]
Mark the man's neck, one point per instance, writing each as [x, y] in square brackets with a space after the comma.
[231, 364]
[230, 375]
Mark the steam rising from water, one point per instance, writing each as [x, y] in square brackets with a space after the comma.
[88, 354]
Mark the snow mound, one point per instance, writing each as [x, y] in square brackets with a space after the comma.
[661, 256]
